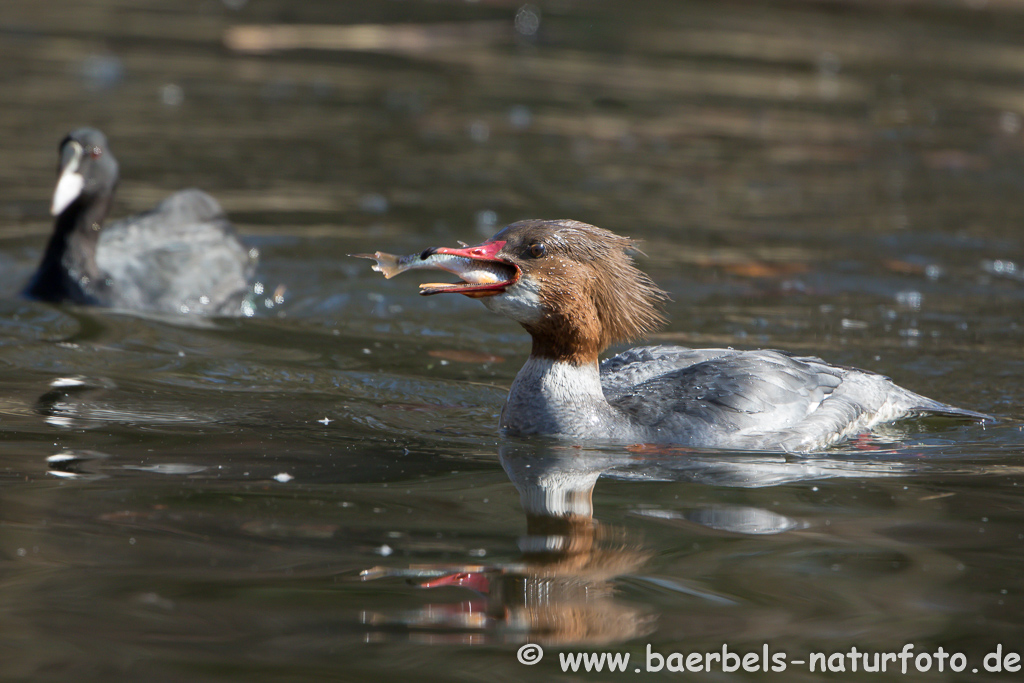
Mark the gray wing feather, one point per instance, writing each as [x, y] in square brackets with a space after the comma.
[752, 399]
[183, 255]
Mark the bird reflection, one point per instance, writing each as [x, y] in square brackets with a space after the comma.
[562, 589]
[70, 401]
[81, 402]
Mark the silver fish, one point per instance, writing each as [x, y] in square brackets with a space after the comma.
[479, 276]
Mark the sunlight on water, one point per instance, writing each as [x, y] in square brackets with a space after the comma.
[319, 489]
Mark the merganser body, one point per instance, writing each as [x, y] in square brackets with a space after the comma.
[575, 289]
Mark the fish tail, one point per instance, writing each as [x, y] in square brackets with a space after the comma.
[388, 264]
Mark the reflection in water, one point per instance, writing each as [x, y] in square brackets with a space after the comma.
[72, 401]
[841, 183]
[763, 469]
[737, 519]
[86, 402]
[76, 464]
[561, 591]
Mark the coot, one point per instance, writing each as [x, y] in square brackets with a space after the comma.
[183, 256]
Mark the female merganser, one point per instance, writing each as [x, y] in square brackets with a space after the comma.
[576, 290]
[181, 257]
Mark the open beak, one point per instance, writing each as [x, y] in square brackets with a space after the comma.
[483, 272]
[71, 182]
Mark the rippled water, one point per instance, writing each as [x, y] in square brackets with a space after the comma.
[320, 492]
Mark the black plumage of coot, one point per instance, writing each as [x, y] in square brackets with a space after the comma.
[182, 256]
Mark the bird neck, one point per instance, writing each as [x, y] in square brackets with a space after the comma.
[559, 398]
[69, 269]
[570, 333]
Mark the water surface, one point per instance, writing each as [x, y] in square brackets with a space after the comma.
[320, 492]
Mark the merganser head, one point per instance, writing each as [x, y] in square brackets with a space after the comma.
[575, 287]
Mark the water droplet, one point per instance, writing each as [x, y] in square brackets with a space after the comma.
[373, 203]
[172, 95]
[527, 20]
[101, 72]
[520, 116]
[910, 298]
[486, 221]
[1009, 122]
[479, 131]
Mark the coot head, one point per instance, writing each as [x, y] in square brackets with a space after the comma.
[87, 171]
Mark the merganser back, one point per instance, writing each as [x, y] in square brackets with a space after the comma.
[575, 289]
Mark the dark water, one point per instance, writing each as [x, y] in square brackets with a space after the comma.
[841, 179]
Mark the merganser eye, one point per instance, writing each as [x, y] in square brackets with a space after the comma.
[537, 250]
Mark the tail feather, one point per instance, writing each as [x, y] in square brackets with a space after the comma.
[927, 405]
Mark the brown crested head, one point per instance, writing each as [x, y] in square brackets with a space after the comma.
[591, 293]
